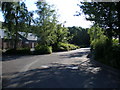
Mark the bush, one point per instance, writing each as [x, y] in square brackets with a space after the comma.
[72, 47]
[115, 56]
[59, 47]
[100, 47]
[20, 51]
[24, 51]
[106, 53]
[9, 51]
[115, 41]
[64, 47]
[103, 48]
[42, 49]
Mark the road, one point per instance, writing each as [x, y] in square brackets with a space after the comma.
[70, 69]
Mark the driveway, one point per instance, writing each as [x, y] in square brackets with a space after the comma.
[58, 70]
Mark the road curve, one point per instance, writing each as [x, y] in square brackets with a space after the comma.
[70, 69]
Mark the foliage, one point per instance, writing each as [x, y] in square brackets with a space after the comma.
[42, 49]
[17, 18]
[101, 48]
[115, 56]
[79, 36]
[95, 32]
[61, 34]
[60, 47]
[45, 23]
[99, 42]
[46, 28]
[65, 47]
[20, 51]
[107, 55]
[72, 46]
[115, 41]
[107, 15]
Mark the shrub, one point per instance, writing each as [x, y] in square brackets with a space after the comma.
[42, 49]
[64, 47]
[20, 51]
[9, 51]
[60, 47]
[72, 47]
[24, 51]
[115, 41]
[106, 53]
[115, 56]
[100, 46]
[103, 48]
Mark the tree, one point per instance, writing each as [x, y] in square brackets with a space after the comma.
[95, 32]
[106, 17]
[79, 36]
[45, 23]
[104, 14]
[118, 14]
[16, 18]
[61, 34]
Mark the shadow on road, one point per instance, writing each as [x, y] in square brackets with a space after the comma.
[78, 54]
[10, 57]
[86, 74]
[62, 76]
[13, 57]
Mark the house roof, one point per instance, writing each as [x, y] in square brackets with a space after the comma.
[29, 36]
[23, 35]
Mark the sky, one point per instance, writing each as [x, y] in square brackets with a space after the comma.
[66, 9]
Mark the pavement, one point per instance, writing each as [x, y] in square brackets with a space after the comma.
[70, 69]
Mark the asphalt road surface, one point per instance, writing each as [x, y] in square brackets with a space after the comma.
[58, 70]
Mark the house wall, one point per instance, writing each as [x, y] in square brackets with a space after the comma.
[9, 44]
[6, 44]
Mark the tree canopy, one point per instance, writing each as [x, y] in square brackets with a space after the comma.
[17, 18]
[79, 35]
[105, 14]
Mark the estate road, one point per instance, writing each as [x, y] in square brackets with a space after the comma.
[70, 69]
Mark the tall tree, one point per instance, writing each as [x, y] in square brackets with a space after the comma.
[46, 23]
[16, 18]
[61, 34]
[118, 14]
[79, 36]
[103, 13]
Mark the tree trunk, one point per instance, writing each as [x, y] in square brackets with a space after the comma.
[109, 35]
[110, 27]
[16, 35]
[15, 42]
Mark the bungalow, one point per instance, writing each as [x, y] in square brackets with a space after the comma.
[25, 40]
